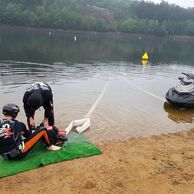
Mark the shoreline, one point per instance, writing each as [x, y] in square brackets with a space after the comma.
[158, 164]
[19, 29]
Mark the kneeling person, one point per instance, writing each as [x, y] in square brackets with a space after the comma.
[15, 140]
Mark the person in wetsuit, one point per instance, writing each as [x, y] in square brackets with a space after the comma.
[37, 95]
[15, 140]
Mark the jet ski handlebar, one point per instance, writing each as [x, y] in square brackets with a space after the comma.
[189, 75]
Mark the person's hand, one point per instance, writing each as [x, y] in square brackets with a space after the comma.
[46, 123]
[32, 122]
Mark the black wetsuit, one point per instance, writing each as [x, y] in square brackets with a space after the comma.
[47, 103]
[13, 145]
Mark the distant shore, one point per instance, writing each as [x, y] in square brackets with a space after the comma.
[19, 29]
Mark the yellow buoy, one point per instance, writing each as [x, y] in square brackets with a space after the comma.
[49, 33]
[145, 56]
[75, 38]
[144, 62]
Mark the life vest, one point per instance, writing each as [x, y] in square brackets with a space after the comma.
[10, 139]
[39, 85]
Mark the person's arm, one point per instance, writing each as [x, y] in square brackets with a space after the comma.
[49, 108]
[29, 112]
[19, 129]
[23, 130]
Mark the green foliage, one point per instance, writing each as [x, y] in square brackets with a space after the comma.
[100, 15]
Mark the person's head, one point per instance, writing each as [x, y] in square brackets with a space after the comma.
[35, 100]
[11, 110]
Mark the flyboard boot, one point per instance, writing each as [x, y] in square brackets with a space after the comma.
[58, 136]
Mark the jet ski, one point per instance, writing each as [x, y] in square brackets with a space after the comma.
[182, 95]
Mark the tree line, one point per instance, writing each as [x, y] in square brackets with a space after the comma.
[100, 15]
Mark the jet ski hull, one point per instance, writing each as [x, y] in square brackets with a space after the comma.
[180, 99]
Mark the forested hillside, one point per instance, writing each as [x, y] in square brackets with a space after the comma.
[100, 15]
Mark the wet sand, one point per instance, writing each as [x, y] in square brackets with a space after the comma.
[159, 165]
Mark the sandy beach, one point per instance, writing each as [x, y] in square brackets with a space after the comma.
[158, 164]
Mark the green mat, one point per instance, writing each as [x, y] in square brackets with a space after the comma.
[77, 146]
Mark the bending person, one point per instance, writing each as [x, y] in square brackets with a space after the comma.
[37, 95]
[15, 140]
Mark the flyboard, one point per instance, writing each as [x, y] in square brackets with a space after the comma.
[79, 125]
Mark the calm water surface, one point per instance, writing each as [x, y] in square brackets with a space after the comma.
[99, 74]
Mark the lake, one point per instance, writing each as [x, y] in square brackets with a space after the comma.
[101, 76]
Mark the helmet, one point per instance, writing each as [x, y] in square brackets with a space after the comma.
[11, 110]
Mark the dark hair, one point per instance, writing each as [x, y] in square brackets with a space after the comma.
[35, 99]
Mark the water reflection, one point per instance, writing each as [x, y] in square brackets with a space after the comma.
[37, 46]
[16, 72]
[179, 115]
[78, 72]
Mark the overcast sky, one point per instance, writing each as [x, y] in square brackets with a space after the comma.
[182, 3]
